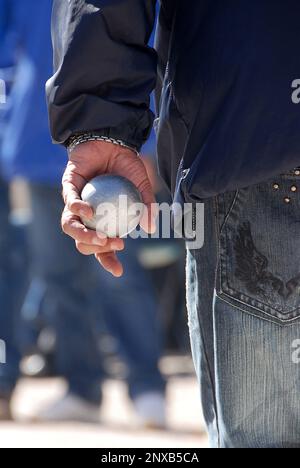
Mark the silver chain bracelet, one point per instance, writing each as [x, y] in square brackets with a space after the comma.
[85, 137]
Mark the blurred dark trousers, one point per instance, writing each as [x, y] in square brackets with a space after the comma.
[12, 274]
[63, 294]
[8, 286]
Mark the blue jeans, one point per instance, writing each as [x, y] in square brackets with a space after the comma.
[244, 316]
[13, 281]
[63, 294]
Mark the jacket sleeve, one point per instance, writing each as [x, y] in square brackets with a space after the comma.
[104, 69]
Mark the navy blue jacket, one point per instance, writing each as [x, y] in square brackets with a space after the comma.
[225, 70]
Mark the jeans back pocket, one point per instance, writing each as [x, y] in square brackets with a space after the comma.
[259, 250]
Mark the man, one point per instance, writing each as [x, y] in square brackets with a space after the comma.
[227, 135]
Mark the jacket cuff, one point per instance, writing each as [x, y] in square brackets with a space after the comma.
[77, 140]
[133, 138]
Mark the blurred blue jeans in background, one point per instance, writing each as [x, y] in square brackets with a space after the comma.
[13, 264]
[13, 281]
[63, 293]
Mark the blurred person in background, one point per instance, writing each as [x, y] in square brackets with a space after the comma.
[13, 274]
[63, 282]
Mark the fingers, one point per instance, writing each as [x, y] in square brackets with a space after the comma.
[73, 227]
[110, 262]
[132, 167]
[91, 243]
[148, 221]
[81, 169]
[88, 242]
[111, 245]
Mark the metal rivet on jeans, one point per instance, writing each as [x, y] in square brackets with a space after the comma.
[287, 200]
[294, 188]
[297, 172]
[276, 186]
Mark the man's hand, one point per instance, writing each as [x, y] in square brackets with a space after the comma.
[85, 162]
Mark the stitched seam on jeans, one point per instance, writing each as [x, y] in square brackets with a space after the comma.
[224, 267]
[212, 386]
[217, 237]
[229, 211]
[256, 308]
[209, 369]
[224, 236]
[223, 264]
[263, 304]
[251, 314]
[224, 272]
[211, 381]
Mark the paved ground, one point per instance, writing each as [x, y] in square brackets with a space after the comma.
[117, 429]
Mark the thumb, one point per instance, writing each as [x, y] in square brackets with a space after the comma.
[131, 166]
[148, 220]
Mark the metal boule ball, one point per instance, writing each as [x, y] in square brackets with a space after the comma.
[117, 205]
